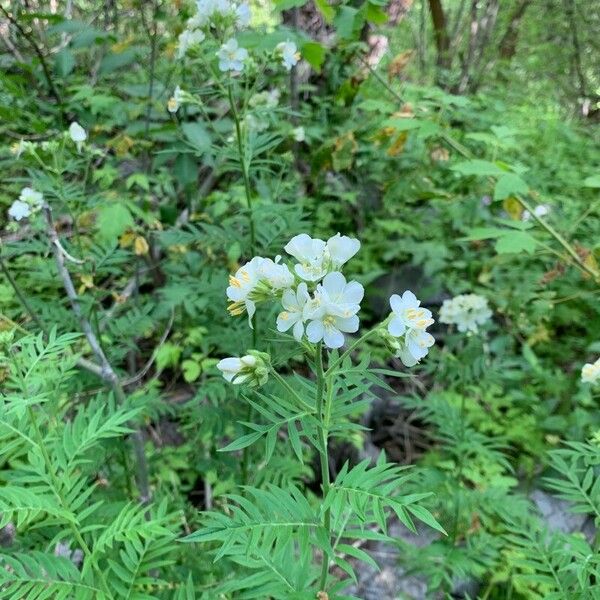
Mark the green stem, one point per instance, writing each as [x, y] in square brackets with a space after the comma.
[248, 192]
[243, 165]
[323, 456]
[20, 294]
[349, 351]
[58, 492]
[460, 468]
[560, 239]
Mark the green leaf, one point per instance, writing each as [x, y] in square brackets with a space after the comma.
[242, 442]
[314, 54]
[186, 169]
[509, 184]
[515, 241]
[478, 167]
[425, 516]
[191, 370]
[327, 11]
[346, 22]
[197, 135]
[64, 62]
[593, 181]
[113, 219]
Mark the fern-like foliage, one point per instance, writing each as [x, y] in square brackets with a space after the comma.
[577, 464]
[270, 532]
[552, 565]
[39, 576]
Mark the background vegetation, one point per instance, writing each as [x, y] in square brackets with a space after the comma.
[458, 140]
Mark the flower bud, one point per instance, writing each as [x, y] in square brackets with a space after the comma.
[252, 369]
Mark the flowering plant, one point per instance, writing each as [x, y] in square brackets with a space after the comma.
[321, 308]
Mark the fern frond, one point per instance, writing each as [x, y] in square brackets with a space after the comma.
[39, 576]
[368, 491]
[23, 506]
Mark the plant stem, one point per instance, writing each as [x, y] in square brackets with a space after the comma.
[323, 455]
[243, 166]
[24, 302]
[248, 193]
[349, 351]
[108, 374]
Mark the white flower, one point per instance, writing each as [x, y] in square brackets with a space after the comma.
[32, 197]
[19, 210]
[541, 210]
[243, 15]
[292, 315]
[341, 249]
[268, 99]
[310, 254]
[590, 373]
[289, 54]
[231, 56]
[188, 39]
[252, 369]
[332, 312]
[316, 258]
[466, 311]
[175, 100]
[241, 285]
[298, 134]
[405, 334]
[277, 276]
[77, 134]
[407, 314]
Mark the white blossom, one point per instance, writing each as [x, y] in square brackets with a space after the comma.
[332, 311]
[19, 210]
[298, 134]
[77, 134]
[590, 373]
[466, 311]
[289, 54]
[241, 286]
[292, 316]
[231, 56]
[278, 276]
[175, 101]
[316, 257]
[341, 249]
[541, 210]
[243, 15]
[407, 314]
[188, 39]
[405, 333]
[34, 198]
[252, 369]
[310, 254]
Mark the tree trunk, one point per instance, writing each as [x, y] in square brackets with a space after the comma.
[440, 29]
[508, 43]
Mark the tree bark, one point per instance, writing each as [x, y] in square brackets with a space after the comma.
[440, 29]
[508, 43]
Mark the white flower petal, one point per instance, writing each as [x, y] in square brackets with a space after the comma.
[315, 331]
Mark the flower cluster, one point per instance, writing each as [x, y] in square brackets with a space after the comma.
[318, 303]
[406, 333]
[28, 202]
[590, 373]
[325, 311]
[467, 312]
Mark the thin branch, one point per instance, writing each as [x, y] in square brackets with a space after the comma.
[107, 372]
